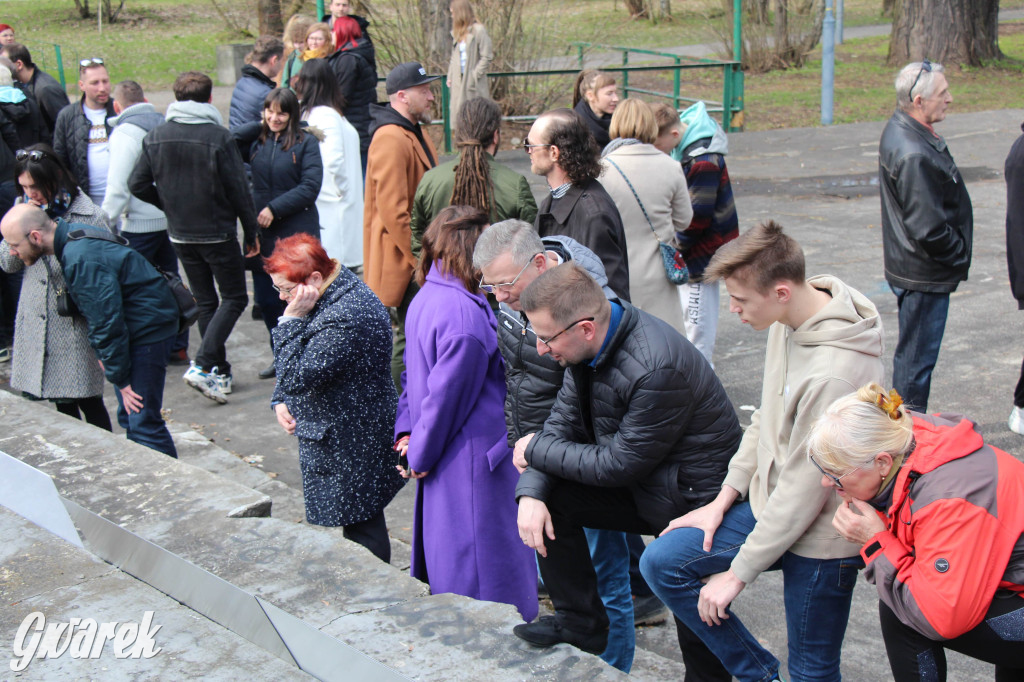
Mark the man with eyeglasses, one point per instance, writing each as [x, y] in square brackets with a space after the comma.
[563, 150]
[824, 341]
[927, 225]
[640, 432]
[82, 131]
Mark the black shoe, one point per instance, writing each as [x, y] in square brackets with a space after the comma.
[546, 631]
[257, 314]
[649, 611]
[268, 372]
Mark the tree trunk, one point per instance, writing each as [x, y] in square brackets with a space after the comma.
[636, 9]
[781, 28]
[269, 14]
[83, 8]
[964, 32]
[887, 7]
[438, 27]
[757, 10]
[666, 9]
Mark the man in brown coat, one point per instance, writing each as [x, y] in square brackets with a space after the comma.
[400, 153]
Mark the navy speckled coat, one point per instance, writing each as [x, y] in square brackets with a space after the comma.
[334, 374]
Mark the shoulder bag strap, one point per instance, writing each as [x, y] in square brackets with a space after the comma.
[635, 196]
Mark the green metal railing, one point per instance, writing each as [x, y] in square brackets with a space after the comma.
[732, 114]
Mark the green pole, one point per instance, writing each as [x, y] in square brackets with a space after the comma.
[727, 98]
[60, 69]
[625, 74]
[737, 30]
[319, 9]
[445, 98]
[579, 54]
[675, 85]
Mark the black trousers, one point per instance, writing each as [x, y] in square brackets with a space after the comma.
[371, 534]
[569, 575]
[998, 639]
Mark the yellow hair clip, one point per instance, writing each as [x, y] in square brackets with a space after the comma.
[890, 404]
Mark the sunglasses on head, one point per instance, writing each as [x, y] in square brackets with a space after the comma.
[32, 155]
[926, 65]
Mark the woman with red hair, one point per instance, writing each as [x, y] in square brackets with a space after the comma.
[332, 353]
[353, 66]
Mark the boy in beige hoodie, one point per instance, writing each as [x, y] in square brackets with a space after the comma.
[824, 341]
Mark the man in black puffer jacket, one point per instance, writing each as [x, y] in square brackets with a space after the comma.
[641, 431]
[265, 63]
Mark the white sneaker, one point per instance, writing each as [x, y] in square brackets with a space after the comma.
[204, 382]
[223, 381]
[1016, 421]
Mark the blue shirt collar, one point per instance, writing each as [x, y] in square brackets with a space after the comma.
[613, 324]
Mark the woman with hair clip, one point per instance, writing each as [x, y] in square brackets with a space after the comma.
[474, 178]
[451, 428]
[52, 356]
[940, 515]
[594, 98]
[340, 202]
[286, 176]
[471, 58]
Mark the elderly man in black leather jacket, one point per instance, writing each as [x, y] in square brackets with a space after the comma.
[641, 431]
[927, 224]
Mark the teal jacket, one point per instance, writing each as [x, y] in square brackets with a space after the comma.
[123, 298]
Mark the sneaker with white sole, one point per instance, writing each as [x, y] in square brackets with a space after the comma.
[205, 382]
[223, 380]
[1016, 421]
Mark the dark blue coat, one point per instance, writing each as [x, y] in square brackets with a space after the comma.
[288, 181]
[123, 298]
[247, 99]
[334, 374]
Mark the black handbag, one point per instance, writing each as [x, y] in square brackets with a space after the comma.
[188, 309]
[65, 304]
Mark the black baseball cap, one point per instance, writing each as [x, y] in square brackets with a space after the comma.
[407, 75]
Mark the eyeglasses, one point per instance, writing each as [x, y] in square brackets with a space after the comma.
[926, 65]
[491, 288]
[832, 477]
[528, 148]
[92, 61]
[282, 290]
[33, 155]
[547, 341]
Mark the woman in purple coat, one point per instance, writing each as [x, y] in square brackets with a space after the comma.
[451, 425]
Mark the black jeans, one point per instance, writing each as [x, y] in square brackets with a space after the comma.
[157, 249]
[998, 639]
[569, 575]
[205, 265]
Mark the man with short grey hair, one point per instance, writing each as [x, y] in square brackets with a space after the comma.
[927, 224]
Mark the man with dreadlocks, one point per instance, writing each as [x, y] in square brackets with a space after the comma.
[475, 178]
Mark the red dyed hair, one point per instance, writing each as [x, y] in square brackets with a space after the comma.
[346, 32]
[297, 257]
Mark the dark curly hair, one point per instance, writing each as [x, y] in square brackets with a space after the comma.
[578, 152]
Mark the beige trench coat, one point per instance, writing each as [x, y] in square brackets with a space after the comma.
[472, 83]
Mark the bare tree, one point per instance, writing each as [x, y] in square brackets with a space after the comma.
[637, 9]
[778, 34]
[269, 14]
[110, 13]
[964, 32]
[887, 7]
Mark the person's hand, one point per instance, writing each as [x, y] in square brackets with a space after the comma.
[716, 596]
[285, 418]
[253, 249]
[857, 526]
[304, 297]
[265, 218]
[519, 452]
[411, 473]
[132, 401]
[534, 523]
[707, 518]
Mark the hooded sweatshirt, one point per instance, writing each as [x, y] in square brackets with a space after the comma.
[832, 354]
[130, 127]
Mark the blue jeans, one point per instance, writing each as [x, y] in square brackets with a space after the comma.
[156, 248]
[610, 555]
[817, 596]
[922, 319]
[149, 368]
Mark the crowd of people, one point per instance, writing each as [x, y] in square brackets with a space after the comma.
[543, 372]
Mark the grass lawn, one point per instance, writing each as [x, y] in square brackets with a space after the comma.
[157, 39]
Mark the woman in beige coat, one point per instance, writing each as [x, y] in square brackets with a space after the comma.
[632, 163]
[471, 57]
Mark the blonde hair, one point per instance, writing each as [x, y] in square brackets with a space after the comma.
[634, 118]
[857, 427]
[462, 18]
[5, 76]
[590, 80]
[295, 32]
